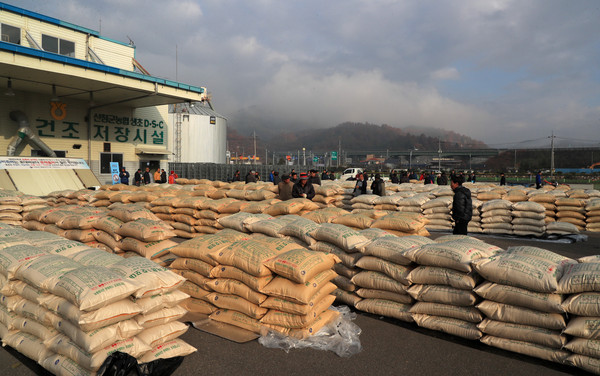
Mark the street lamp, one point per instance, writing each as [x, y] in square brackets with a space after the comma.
[304, 156]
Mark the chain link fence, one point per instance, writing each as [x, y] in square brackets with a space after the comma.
[225, 172]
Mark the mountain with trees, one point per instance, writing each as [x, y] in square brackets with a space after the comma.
[352, 137]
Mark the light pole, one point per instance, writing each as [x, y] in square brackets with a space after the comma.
[410, 160]
[304, 156]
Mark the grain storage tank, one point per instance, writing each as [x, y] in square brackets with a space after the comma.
[197, 133]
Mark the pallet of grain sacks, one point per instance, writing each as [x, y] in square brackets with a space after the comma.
[443, 282]
[345, 243]
[496, 217]
[592, 210]
[547, 200]
[195, 264]
[581, 284]
[69, 308]
[474, 225]
[571, 210]
[528, 219]
[437, 212]
[522, 303]
[383, 283]
[299, 296]
[402, 223]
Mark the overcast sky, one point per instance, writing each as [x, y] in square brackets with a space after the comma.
[501, 71]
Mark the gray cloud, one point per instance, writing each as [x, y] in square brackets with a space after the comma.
[498, 70]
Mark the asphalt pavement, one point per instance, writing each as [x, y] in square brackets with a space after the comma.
[389, 346]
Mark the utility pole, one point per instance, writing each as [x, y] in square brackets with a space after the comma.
[552, 155]
[254, 156]
[339, 151]
[440, 155]
[266, 157]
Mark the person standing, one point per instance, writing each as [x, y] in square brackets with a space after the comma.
[157, 175]
[163, 176]
[137, 177]
[124, 175]
[303, 188]
[251, 177]
[146, 176]
[361, 186]
[331, 175]
[236, 176]
[462, 206]
[285, 188]
[378, 186]
[294, 177]
[324, 175]
[394, 177]
[276, 178]
[314, 177]
[502, 179]
[538, 180]
[172, 177]
[442, 179]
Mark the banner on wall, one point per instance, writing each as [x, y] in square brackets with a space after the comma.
[114, 171]
[20, 163]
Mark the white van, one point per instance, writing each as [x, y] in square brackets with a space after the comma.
[350, 173]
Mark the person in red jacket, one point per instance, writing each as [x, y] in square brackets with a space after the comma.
[172, 177]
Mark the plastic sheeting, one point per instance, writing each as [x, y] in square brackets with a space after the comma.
[340, 336]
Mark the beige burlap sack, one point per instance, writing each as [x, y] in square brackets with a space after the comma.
[532, 334]
[386, 308]
[469, 314]
[520, 315]
[527, 348]
[545, 302]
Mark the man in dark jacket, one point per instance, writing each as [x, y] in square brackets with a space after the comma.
[378, 186]
[124, 175]
[146, 176]
[293, 177]
[163, 176]
[314, 177]
[303, 188]
[442, 179]
[502, 179]
[137, 177]
[251, 177]
[276, 178]
[462, 206]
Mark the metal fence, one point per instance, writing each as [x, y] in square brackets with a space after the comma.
[225, 172]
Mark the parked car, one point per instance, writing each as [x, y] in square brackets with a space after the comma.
[350, 173]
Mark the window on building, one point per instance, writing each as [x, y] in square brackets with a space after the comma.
[10, 34]
[106, 158]
[58, 46]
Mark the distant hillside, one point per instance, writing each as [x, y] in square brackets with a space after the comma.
[353, 137]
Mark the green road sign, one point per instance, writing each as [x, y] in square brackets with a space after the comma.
[334, 155]
[315, 159]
